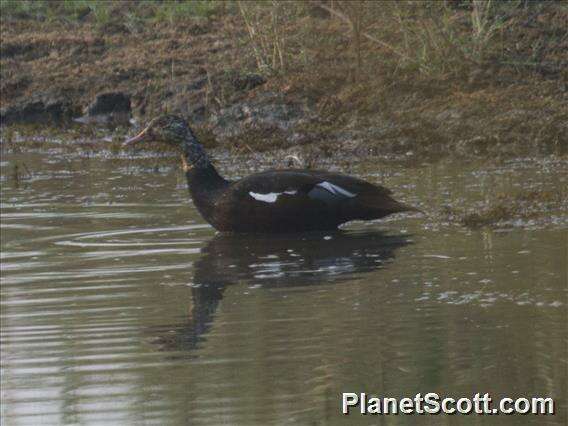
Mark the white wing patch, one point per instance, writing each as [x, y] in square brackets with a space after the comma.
[271, 197]
[336, 190]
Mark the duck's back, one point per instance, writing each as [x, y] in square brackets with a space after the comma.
[300, 200]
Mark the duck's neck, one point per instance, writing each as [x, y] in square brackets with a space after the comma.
[203, 181]
[193, 152]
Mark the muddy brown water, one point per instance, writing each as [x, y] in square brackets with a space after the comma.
[119, 305]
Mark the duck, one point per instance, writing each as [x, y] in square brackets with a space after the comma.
[272, 201]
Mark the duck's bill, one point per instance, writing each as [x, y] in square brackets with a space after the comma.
[136, 139]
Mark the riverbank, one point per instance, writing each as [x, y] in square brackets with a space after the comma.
[305, 83]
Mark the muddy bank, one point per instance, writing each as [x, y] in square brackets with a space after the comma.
[55, 72]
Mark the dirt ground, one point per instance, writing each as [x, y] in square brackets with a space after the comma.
[51, 71]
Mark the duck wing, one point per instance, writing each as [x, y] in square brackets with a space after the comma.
[316, 184]
[297, 199]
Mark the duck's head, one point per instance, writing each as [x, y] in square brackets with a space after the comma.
[168, 129]
[174, 132]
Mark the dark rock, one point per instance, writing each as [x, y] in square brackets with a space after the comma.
[107, 108]
[107, 103]
[38, 111]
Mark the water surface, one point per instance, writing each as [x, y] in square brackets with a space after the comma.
[120, 305]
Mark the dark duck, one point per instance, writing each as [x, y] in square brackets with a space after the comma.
[274, 201]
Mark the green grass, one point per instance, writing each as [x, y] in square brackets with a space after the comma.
[172, 11]
[104, 11]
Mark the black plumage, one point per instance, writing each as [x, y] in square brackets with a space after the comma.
[273, 201]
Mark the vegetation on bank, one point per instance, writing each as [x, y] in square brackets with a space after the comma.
[401, 76]
[102, 12]
[442, 38]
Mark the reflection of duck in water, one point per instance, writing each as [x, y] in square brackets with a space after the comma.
[276, 261]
